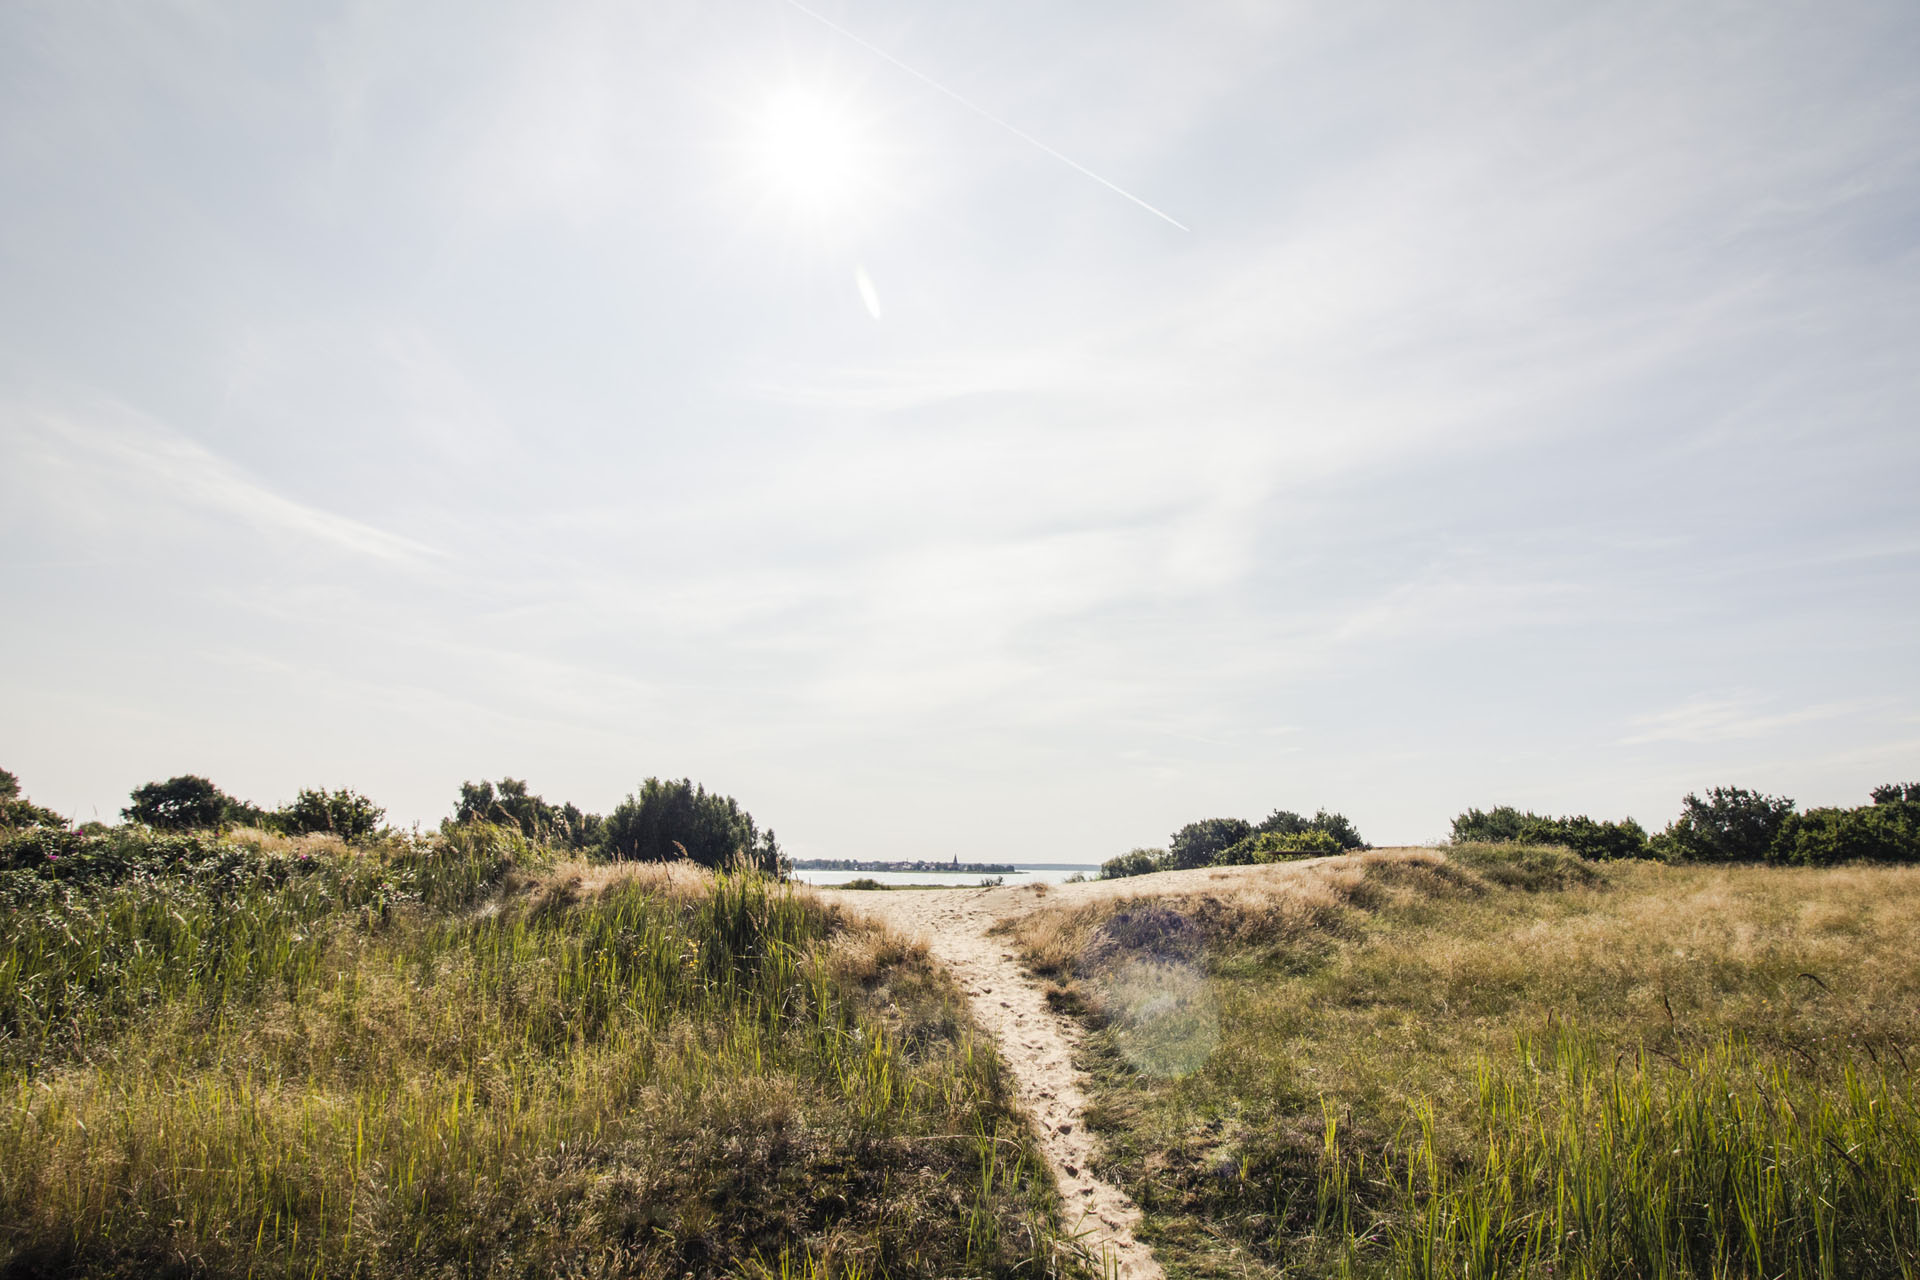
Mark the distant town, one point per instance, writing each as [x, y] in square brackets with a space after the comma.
[848, 864]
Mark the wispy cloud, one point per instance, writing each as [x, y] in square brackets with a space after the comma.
[1729, 717]
[123, 453]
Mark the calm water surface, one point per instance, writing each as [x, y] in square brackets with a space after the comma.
[1024, 873]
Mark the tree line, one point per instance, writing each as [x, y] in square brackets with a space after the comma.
[1728, 824]
[660, 821]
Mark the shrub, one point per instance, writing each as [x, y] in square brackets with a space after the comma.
[1285, 822]
[1272, 846]
[1582, 835]
[1887, 831]
[667, 820]
[1731, 825]
[1502, 824]
[1196, 844]
[1135, 862]
[344, 813]
[513, 805]
[185, 803]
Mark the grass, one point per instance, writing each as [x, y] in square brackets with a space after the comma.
[1509, 1062]
[454, 1057]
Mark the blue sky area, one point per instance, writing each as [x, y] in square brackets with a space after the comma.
[1523, 409]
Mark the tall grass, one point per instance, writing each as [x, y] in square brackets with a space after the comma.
[1736, 1101]
[387, 1066]
[1589, 1164]
[98, 927]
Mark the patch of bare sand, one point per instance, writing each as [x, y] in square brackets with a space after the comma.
[1038, 1044]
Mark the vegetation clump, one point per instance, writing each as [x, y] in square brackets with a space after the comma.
[1222, 842]
[1583, 835]
[1728, 825]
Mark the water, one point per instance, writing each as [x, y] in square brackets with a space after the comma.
[1023, 873]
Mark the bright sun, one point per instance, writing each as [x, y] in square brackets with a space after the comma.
[811, 152]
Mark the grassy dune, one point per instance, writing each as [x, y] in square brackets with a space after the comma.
[452, 1057]
[1510, 1062]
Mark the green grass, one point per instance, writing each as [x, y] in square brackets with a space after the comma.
[1509, 1063]
[449, 1057]
[1718, 1164]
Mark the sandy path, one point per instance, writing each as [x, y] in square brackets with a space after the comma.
[1037, 1044]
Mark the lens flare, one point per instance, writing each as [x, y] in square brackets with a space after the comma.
[868, 294]
[1164, 1018]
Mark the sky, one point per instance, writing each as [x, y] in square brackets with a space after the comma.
[995, 430]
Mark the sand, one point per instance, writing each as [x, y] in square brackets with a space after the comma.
[1037, 1044]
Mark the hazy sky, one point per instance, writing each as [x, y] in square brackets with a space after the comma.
[395, 394]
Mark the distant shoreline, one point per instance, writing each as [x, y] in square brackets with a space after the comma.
[921, 865]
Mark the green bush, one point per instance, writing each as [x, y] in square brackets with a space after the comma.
[1197, 843]
[1503, 824]
[667, 820]
[1333, 825]
[1271, 846]
[1135, 862]
[344, 813]
[89, 861]
[1233, 841]
[188, 802]
[1583, 835]
[1731, 825]
[1888, 831]
[514, 806]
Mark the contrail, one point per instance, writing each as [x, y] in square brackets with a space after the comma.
[979, 110]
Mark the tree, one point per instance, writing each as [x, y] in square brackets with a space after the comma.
[1285, 822]
[1135, 862]
[17, 812]
[1897, 793]
[512, 805]
[667, 820]
[1336, 827]
[186, 803]
[344, 813]
[1195, 844]
[1731, 825]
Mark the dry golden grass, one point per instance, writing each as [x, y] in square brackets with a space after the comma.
[1371, 987]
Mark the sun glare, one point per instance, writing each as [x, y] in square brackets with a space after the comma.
[811, 152]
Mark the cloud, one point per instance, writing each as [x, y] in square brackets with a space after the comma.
[121, 453]
[1729, 717]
